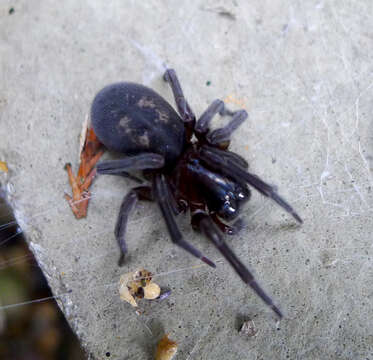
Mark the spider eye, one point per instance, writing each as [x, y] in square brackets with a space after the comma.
[229, 210]
[242, 194]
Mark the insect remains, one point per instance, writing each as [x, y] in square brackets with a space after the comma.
[90, 152]
[138, 285]
[188, 167]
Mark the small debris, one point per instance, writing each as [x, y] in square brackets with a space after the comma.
[11, 11]
[152, 291]
[138, 285]
[166, 349]
[208, 83]
[231, 99]
[90, 152]
[165, 294]
[248, 328]
[124, 290]
[222, 11]
[3, 166]
[83, 137]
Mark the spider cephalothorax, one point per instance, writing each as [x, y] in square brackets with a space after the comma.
[200, 175]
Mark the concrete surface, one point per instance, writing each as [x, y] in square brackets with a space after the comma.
[304, 72]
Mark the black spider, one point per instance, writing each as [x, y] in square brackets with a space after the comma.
[200, 175]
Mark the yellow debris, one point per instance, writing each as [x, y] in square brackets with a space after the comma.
[3, 166]
[166, 349]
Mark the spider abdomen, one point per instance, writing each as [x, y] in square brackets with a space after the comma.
[133, 119]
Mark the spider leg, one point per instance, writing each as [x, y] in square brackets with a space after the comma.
[230, 169]
[202, 125]
[137, 162]
[222, 135]
[176, 210]
[183, 107]
[229, 155]
[227, 229]
[219, 137]
[128, 204]
[129, 176]
[206, 225]
[161, 195]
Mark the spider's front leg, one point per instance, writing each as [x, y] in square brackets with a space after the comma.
[219, 137]
[229, 168]
[203, 222]
[183, 107]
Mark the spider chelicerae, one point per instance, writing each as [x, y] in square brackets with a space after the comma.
[188, 166]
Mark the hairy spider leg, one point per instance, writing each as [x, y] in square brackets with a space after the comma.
[160, 189]
[175, 207]
[128, 204]
[120, 167]
[185, 111]
[221, 136]
[230, 169]
[229, 155]
[130, 163]
[205, 224]
[202, 125]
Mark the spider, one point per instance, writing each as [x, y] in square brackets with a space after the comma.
[188, 165]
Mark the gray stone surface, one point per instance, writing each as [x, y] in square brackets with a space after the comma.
[304, 72]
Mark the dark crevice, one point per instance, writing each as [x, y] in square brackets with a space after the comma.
[36, 331]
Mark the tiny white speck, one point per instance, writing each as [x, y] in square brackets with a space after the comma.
[36, 248]
[324, 175]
